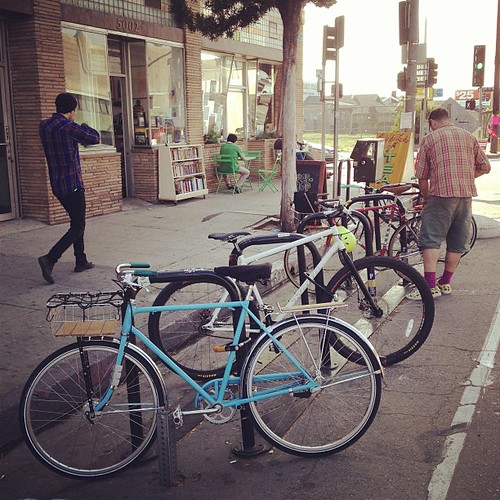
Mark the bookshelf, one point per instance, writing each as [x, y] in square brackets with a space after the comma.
[181, 173]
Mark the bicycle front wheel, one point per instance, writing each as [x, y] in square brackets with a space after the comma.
[189, 337]
[320, 420]
[54, 410]
[397, 326]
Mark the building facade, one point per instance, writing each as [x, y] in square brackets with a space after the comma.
[140, 80]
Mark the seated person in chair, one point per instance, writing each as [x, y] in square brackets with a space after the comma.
[300, 153]
[231, 149]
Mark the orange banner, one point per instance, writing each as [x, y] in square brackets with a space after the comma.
[395, 154]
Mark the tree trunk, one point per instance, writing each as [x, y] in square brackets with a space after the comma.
[291, 12]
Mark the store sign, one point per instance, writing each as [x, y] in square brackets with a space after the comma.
[465, 95]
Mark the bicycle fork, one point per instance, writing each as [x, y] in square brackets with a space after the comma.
[369, 292]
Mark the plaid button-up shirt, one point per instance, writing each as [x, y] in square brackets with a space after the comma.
[451, 158]
[60, 138]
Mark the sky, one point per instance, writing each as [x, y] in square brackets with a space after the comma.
[371, 57]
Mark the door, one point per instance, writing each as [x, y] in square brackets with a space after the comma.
[120, 108]
[8, 189]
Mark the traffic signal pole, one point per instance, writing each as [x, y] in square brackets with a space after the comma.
[496, 91]
[411, 84]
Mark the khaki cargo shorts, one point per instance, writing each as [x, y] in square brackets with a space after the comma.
[446, 219]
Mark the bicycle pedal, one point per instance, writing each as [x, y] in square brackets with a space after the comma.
[177, 417]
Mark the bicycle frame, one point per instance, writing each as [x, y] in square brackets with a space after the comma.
[336, 247]
[216, 402]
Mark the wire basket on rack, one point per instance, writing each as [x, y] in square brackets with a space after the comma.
[85, 314]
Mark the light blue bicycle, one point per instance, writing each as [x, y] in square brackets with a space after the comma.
[90, 408]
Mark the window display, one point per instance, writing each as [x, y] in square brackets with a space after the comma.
[158, 93]
[87, 77]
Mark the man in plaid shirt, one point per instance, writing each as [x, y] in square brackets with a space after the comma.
[448, 161]
[60, 137]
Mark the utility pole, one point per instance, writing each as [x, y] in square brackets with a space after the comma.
[496, 92]
[411, 84]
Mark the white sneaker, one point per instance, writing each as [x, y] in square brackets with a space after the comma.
[444, 289]
[415, 294]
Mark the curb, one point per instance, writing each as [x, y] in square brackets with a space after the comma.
[487, 227]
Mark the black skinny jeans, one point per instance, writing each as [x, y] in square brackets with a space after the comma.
[75, 205]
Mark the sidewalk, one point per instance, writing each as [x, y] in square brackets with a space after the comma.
[166, 236]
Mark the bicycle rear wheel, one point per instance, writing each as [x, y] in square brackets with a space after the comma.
[409, 233]
[316, 421]
[189, 337]
[54, 410]
[400, 326]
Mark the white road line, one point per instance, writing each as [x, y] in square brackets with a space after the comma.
[479, 378]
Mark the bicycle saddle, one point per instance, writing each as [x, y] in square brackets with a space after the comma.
[228, 236]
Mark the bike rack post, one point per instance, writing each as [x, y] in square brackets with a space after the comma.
[248, 446]
[348, 162]
[167, 447]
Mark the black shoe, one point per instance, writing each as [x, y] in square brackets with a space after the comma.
[46, 267]
[84, 267]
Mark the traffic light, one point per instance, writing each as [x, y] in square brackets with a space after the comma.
[329, 47]
[478, 68]
[402, 80]
[432, 72]
[470, 104]
[341, 90]
[404, 22]
[333, 39]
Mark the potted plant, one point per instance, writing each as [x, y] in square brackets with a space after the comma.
[212, 136]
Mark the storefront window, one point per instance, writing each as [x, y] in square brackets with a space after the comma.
[215, 77]
[264, 116]
[166, 93]
[235, 92]
[86, 71]
[158, 93]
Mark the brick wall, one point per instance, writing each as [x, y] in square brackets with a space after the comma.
[145, 167]
[37, 73]
[192, 70]
[103, 187]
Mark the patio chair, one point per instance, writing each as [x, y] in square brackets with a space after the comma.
[267, 175]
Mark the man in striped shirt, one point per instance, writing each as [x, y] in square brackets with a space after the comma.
[60, 137]
[448, 161]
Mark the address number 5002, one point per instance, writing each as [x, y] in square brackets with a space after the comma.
[127, 25]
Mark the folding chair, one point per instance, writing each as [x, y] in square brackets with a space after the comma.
[223, 167]
[267, 175]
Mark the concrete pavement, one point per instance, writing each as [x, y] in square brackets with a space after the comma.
[166, 236]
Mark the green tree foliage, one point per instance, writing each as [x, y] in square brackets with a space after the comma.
[224, 18]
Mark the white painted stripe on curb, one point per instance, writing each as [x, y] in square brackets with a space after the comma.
[479, 378]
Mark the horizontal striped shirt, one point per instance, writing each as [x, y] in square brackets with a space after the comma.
[60, 138]
[451, 158]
